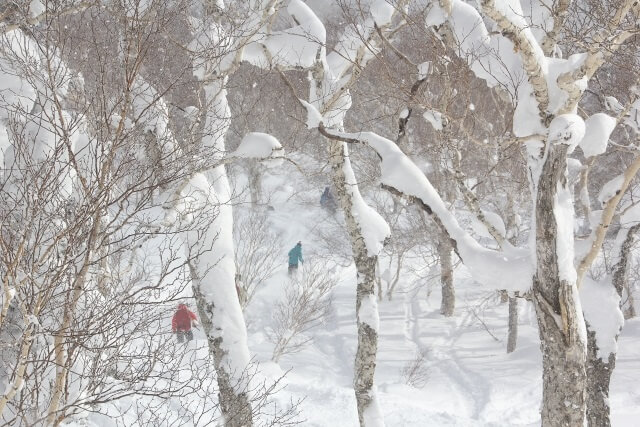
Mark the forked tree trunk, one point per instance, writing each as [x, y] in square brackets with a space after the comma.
[512, 336]
[365, 362]
[599, 370]
[448, 302]
[560, 321]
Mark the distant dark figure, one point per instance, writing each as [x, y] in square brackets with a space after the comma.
[295, 255]
[181, 323]
[327, 201]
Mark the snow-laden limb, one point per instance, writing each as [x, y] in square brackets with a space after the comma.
[610, 197]
[314, 118]
[509, 17]
[567, 129]
[610, 189]
[374, 229]
[495, 58]
[603, 45]
[612, 192]
[510, 269]
[297, 47]
[489, 224]
[598, 129]
[258, 145]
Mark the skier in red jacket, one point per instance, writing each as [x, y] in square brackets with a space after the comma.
[182, 322]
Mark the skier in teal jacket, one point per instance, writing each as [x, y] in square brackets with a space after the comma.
[295, 255]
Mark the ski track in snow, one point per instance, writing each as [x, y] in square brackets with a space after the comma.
[471, 380]
[443, 356]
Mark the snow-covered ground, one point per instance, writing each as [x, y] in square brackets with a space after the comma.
[469, 380]
[466, 376]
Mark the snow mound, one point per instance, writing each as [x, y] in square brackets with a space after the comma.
[258, 145]
[568, 129]
[598, 129]
[601, 307]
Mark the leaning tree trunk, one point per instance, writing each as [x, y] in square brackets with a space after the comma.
[212, 266]
[560, 322]
[233, 395]
[366, 304]
[599, 370]
[212, 270]
[448, 302]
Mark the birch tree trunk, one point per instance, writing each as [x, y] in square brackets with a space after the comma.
[233, 395]
[560, 322]
[512, 336]
[599, 369]
[598, 378]
[213, 271]
[629, 308]
[448, 302]
[255, 183]
[366, 304]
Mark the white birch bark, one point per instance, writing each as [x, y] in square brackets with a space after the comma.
[369, 413]
[214, 273]
[555, 296]
[331, 79]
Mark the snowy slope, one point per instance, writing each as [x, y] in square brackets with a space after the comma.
[470, 380]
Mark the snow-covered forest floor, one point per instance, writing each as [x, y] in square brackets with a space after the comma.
[167, 155]
[466, 377]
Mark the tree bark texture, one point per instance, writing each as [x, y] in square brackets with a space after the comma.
[235, 403]
[255, 183]
[599, 370]
[599, 376]
[629, 308]
[365, 361]
[448, 302]
[512, 336]
[213, 272]
[560, 322]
